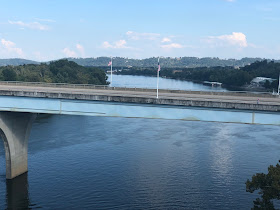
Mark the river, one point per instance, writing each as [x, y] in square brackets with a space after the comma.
[80, 162]
[164, 83]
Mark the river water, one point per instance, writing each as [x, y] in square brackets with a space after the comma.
[80, 162]
[151, 83]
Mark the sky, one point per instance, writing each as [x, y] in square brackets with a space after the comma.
[45, 30]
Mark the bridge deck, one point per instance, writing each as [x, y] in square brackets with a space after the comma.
[183, 98]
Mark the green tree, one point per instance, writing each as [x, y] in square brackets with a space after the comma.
[268, 186]
[62, 71]
[9, 75]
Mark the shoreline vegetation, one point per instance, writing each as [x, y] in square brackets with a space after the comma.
[231, 77]
[62, 71]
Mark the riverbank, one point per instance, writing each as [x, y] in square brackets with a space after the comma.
[229, 76]
[177, 84]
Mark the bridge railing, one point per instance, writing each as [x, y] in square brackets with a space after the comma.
[107, 87]
[45, 84]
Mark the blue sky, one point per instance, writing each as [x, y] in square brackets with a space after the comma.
[51, 29]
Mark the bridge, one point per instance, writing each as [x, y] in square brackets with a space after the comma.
[21, 102]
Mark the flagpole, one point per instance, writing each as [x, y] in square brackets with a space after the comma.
[111, 71]
[157, 78]
[278, 85]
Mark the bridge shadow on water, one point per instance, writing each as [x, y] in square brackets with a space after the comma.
[56, 131]
[17, 195]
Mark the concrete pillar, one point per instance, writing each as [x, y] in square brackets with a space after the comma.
[15, 129]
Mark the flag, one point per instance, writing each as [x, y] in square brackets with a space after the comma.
[110, 63]
[158, 67]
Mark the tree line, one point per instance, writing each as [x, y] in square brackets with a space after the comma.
[170, 62]
[61, 71]
[228, 75]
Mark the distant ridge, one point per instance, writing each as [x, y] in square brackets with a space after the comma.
[187, 62]
[16, 62]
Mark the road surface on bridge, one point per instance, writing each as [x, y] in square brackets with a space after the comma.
[163, 94]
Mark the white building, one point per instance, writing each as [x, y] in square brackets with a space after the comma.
[259, 81]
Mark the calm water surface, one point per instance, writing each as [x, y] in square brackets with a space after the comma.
[151, 83]
[80, 162]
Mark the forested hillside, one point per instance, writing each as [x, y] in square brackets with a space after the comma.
[16, 62]
[188, 62]
[184, 62]
[62, 71]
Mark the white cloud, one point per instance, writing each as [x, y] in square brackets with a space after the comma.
[235, 39]
[7, 44]
[138, 36]
[33, 25]
[230, 0]
[106, 45]
[172, 46]
[11, 47]
[121, 44]
[165, 39]
[69, 53]
[81, 49]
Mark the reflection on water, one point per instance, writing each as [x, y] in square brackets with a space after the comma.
[78, 162]
[17, 196]
[222, 150]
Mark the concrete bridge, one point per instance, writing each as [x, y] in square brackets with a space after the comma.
[21, 102]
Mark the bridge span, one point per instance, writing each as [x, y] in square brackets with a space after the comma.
[21, 102]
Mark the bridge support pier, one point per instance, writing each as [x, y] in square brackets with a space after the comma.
[14, 130]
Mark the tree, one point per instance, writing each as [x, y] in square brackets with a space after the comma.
[62, 71]
[268, 186]
[9, 75]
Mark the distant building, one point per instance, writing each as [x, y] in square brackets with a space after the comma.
[114, 71]
[174, 71]
[213, 84]
[260, 81]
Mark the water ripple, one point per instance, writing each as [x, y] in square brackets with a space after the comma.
[114, 163]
